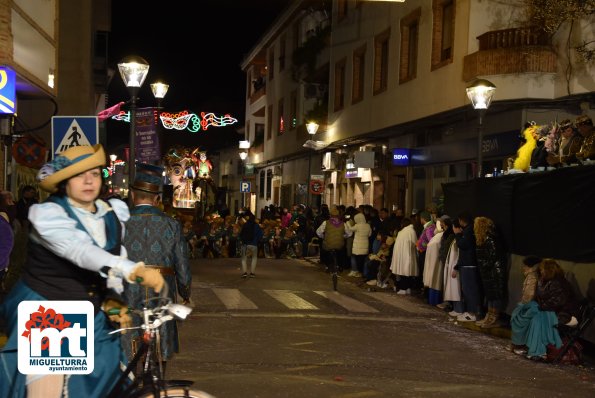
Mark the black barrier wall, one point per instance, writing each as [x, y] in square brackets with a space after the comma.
[548, 214]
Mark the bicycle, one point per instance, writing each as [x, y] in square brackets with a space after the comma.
[152, 383]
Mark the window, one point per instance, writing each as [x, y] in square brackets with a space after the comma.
[269, 122]
[258, 135]
[339, 85]
[381, 62]
[281, 118]
[409, 39]
[443, 28]
[359, 58]
[341, 9]
[261, 178]
[269, 183]
[282, 44]
[293, 110]
[271, 65]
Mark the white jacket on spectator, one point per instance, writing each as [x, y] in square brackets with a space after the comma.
[361, 234]
[404, 260]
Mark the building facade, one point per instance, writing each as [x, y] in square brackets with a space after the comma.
[391, 78]
[57, 50]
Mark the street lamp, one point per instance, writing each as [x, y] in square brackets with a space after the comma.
[312, 128]
[113, 159]
[159, 90]
[133, 70]
[480, 93]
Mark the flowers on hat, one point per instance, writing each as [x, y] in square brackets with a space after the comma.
[56, 164]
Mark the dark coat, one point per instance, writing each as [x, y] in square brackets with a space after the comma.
[557, 295]
[466, 245]
[491, 261]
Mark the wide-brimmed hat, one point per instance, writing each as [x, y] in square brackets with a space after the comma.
[148, 178]
[69, 163]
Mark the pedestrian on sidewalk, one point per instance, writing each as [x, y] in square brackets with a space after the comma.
[467, 268]
[250, 235]
[492, 265]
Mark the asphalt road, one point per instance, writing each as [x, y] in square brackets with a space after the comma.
[286, 334]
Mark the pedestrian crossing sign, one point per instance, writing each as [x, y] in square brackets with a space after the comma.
[69, 131]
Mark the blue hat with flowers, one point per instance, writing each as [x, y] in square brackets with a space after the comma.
[148, 178]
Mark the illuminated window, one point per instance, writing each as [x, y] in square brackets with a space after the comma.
[281, 116]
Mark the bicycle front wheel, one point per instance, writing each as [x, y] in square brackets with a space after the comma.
[178, 392]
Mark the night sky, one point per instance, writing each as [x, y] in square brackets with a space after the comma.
[194, 46]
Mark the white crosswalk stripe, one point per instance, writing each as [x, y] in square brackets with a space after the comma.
[291, 300]
[346, 302]
[233, 299]
[402, 303]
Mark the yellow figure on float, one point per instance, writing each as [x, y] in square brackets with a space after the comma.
[523, 155]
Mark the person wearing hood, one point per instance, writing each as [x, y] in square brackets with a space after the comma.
[404, 260]
[361, 231]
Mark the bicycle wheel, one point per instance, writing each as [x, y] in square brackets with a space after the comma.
[178, 392]
[334, 269]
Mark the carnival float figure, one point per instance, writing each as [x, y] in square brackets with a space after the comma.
[523, 155]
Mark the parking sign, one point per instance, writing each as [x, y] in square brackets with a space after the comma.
[244, 186]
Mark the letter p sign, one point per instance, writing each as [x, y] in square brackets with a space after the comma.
[244, 186]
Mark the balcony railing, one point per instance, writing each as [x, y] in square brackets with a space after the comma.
[511, 51]
[510, 38]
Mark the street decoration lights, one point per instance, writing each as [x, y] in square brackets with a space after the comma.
[243, 155]
[480, 93]
[133, 70]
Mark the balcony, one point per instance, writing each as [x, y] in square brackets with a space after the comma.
[511, 51]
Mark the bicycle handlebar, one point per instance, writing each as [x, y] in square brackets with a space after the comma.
[155, 317]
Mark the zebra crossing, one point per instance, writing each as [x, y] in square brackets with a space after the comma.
[316, 301]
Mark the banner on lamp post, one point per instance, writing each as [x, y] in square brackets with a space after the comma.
[147, 140]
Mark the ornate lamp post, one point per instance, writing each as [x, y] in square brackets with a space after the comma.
[159, 90]
[480, 93]
[133, 70]
[113, 159]
[312, 128]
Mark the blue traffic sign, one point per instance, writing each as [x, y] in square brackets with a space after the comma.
[69, 131]
[244, 186]
[8, 96]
